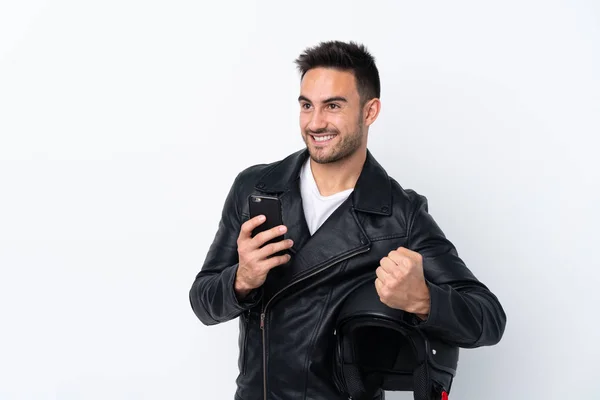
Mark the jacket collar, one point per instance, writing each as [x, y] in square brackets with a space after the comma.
[372, 193]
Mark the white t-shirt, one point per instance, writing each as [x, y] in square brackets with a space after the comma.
[317, 208]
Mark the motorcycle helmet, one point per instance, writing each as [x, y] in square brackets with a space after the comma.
[379, 348]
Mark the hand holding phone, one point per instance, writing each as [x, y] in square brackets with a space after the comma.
[270, 207]
[261, 243]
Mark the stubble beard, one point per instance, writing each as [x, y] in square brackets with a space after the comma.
[348, 145]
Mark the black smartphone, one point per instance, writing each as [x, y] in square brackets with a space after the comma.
[270, 207]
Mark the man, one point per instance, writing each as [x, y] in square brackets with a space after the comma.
[346, 222]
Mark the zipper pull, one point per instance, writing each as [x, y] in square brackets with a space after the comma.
[262, 320]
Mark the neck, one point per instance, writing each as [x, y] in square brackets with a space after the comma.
[337, 176]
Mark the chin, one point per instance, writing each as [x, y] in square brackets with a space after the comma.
[321, 158]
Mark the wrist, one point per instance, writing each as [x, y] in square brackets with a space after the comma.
[241, 290]
[424, 305]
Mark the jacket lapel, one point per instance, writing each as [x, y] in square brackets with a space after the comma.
[294, 218]
[340, 236]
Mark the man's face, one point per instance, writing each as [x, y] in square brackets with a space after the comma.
[331, 119]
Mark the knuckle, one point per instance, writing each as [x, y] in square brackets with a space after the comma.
[269, 248]
[274, 232]
[262, 237]
[276, 261]
[277, 246]
[261, 270]
[384, 291]
[260, 267]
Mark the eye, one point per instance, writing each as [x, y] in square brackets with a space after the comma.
[305, 106]
[333, 106]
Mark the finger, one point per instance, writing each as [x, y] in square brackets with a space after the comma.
[399, 258]
[273, 248]
[250, 225]
[388, 265]
[273, 262]
[378, 286]
[269, 234]
[413, 255]
[382, 275]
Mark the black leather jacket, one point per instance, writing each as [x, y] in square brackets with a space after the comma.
[287, 326]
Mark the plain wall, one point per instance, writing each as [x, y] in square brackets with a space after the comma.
[123, 124]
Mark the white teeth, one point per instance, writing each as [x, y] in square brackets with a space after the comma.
[323, 138]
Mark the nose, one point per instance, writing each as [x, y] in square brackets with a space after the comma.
[317, 122]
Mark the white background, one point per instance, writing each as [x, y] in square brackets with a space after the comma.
[123, 124]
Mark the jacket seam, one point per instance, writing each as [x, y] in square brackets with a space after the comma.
[387, 237]
[411, 223]
[481, 323]
[214, 279]
[207, 312]
[237, 211]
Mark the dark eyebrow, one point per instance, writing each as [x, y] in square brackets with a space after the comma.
[336, 98]
[329, 100]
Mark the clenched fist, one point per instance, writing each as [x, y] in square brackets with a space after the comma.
[401, 283]
[256, 260]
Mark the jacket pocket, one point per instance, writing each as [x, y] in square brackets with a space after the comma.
[244, 340]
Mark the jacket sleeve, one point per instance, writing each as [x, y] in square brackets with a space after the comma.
[212, 294]
[463, 311]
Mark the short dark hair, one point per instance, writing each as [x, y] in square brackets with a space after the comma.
[349, 56]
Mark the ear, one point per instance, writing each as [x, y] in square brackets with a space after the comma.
[371, 111]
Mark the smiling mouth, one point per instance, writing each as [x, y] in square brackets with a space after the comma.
[323, 139]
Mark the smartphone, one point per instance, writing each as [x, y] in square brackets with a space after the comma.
[270, 207]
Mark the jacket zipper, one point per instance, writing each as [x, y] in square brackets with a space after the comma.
[264, 310]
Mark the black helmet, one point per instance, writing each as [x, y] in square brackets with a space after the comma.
[381, 348]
